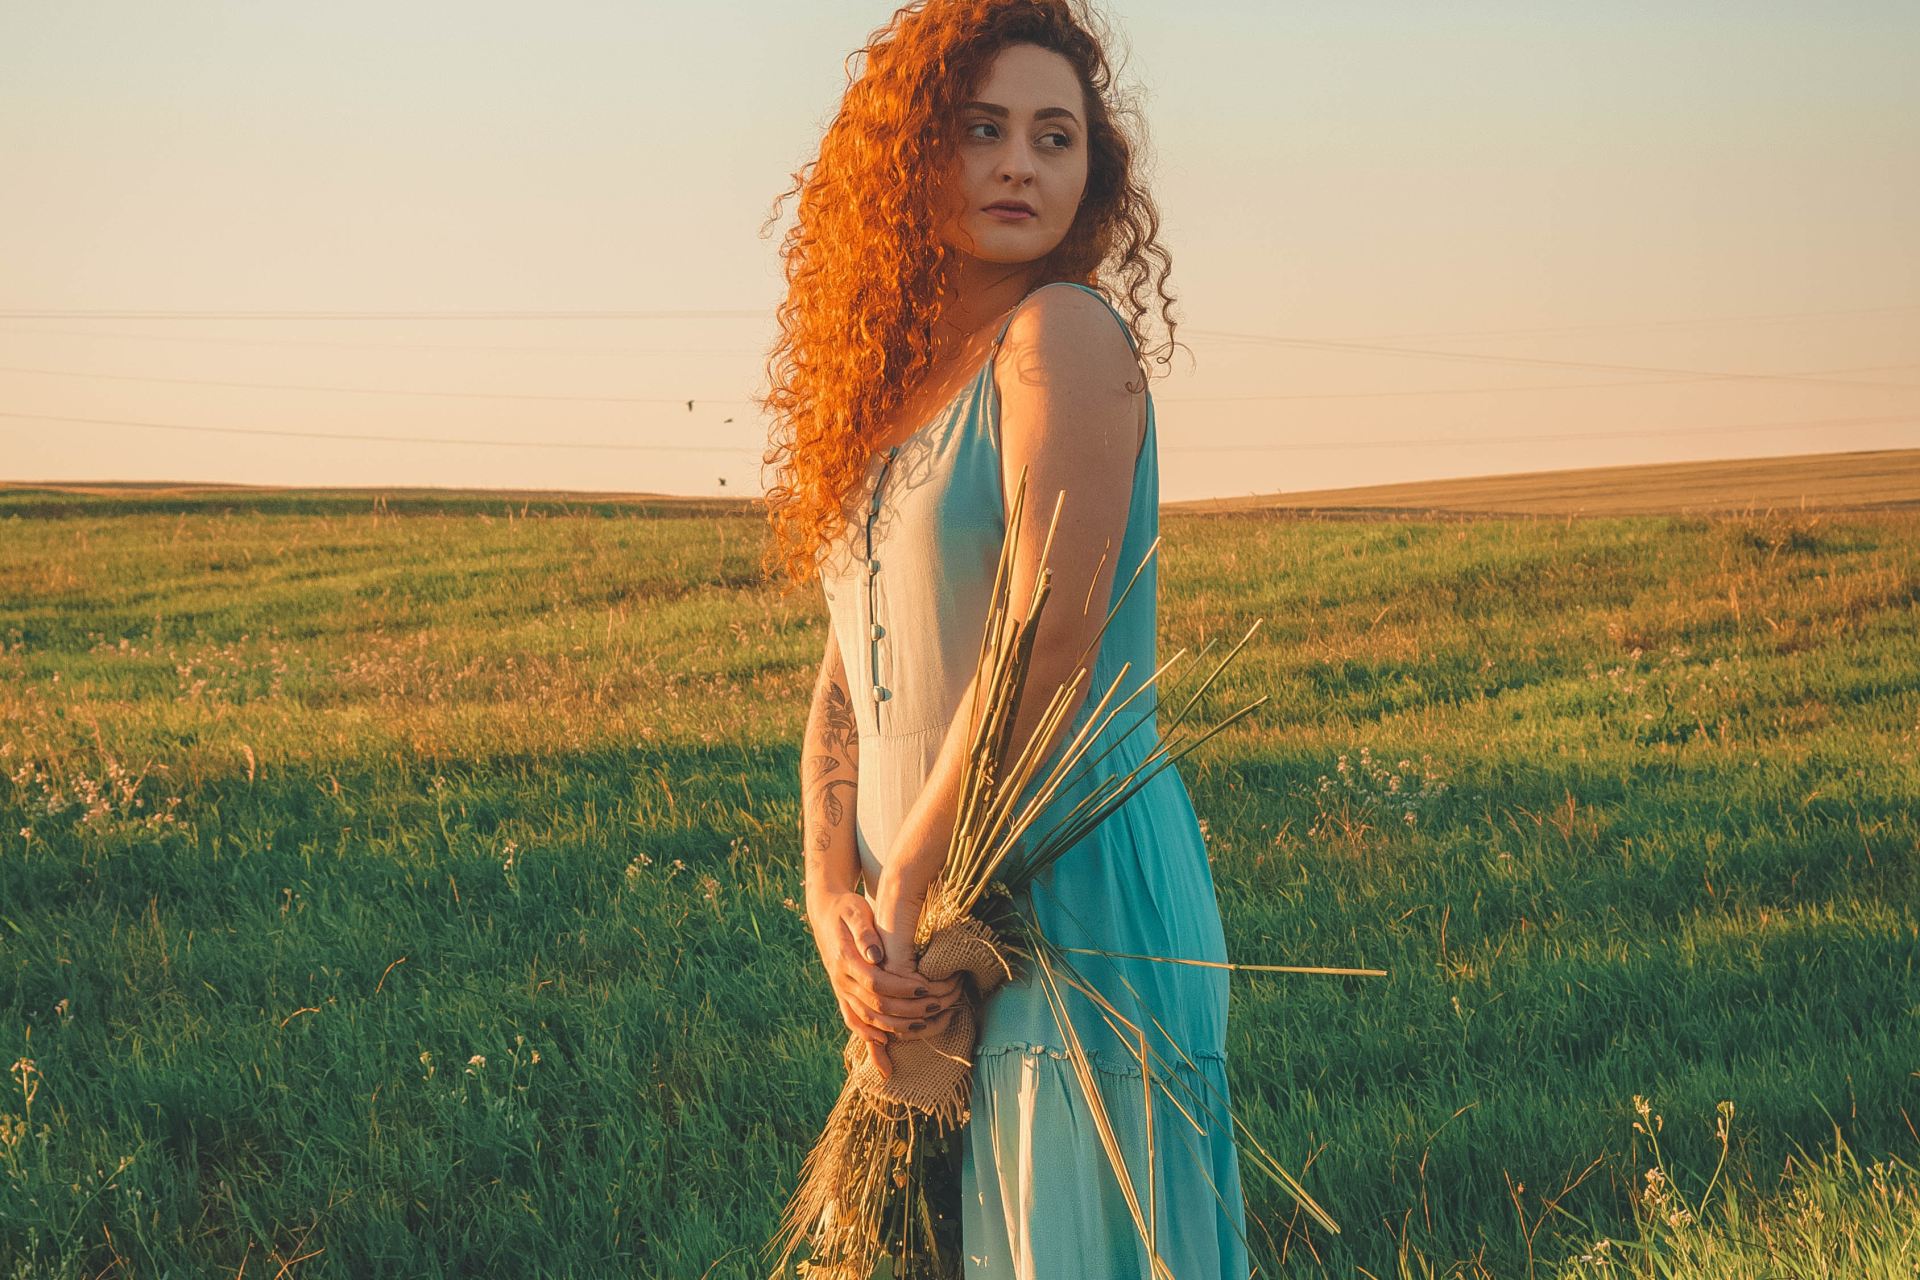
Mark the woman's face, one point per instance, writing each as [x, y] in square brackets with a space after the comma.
[1022, 139]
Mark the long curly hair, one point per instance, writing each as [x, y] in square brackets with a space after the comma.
[866, 270]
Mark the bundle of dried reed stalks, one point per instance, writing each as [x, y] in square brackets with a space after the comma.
[863, 1187]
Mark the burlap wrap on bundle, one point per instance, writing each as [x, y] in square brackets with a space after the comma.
[930, 1075]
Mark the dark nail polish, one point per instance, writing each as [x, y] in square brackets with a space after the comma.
[933, 1008]
[917, 1026]
[919, 991]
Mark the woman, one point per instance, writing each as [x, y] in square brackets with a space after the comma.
[937, 339]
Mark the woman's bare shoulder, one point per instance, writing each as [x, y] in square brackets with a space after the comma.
[1065, 339]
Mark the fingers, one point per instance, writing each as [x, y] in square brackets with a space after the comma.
[883, 1001]
[884, 1026]
[867, 944]
[889, 1021]
[895, 1012]
[903, 986]
[860, 1026]
[929, 1027]
[939, 996]
[868, 1023]
[896, 1025]
[856, 913]
[900, 1015]
[882, 1061]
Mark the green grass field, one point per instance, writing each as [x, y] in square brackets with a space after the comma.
[407, 889]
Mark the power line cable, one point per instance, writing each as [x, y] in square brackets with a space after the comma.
[1638, 324]
[1265, 447]
[1229, 335]
[1817, 376]
[629, 352]
[1690, 379]
[176, 314]
[681, 314]
[1538, 361]
[208, 339]
[1651, 433]
[371, 391]
[363, 436]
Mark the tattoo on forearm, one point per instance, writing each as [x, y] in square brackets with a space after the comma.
[840, 736]
[833, 810]
[841, 730]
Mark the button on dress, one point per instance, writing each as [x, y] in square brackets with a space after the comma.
[907, 590]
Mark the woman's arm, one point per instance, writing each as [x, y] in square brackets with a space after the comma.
[829, 772]
[1068, 416]
[876, 1003]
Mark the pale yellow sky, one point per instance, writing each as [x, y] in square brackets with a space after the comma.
[1409, 240]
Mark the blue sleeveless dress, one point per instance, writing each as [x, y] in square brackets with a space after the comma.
[907, 590]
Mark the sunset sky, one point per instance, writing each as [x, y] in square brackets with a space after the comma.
[1409, 240]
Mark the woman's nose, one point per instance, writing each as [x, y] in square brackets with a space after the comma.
[1016, 162]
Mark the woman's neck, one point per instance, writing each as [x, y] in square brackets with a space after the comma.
[982, 293]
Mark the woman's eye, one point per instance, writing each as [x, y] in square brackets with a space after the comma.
[1066, 140]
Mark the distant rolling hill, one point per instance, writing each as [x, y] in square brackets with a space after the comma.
[54, 499]
[1869, 480]
[1883, 479]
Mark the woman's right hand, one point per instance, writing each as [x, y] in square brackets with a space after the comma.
[873, 1002]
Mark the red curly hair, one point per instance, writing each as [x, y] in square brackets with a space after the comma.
[866, 270]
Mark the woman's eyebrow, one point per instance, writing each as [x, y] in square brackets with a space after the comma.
[1042, 114]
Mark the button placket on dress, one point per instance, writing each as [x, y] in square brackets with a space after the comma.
[876, 630]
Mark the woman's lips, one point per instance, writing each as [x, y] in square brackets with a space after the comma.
[1007, 215]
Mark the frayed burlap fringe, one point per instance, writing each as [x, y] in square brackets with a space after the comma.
[865, 1154]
